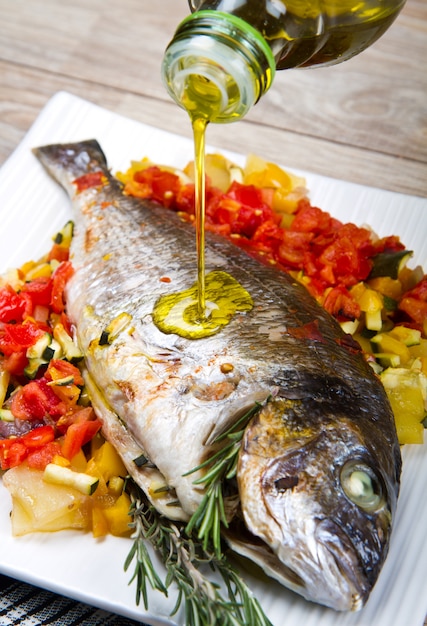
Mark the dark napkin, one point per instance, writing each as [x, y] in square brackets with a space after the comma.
[25, 605]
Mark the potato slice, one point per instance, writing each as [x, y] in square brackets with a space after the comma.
[39, 506]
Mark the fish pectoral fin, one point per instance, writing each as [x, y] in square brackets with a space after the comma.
[146, 476]
[234, 412]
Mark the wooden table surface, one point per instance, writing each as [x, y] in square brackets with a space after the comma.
[363, 121]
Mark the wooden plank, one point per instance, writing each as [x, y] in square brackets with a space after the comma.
[25, 93]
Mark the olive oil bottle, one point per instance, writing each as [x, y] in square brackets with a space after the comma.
[235, 46]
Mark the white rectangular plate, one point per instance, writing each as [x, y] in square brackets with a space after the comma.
[32, 209]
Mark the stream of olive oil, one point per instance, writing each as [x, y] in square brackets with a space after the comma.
[199, 134]
[209, 304]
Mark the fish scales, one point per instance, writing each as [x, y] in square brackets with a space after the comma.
[319, 467]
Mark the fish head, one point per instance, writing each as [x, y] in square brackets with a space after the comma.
[320, 498]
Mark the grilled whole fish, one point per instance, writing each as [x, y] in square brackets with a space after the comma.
[319, 466]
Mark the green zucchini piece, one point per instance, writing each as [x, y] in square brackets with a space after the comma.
[33, 367]
[65, 235]
[62, 382]
[70, 351]
[389, 263]
[52, 351]
[59, 475]
[114, 328]
[36, 351]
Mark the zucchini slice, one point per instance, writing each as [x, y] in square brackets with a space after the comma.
[389, 263]
[58, 475]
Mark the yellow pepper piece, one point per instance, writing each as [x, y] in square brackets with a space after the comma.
[358, 290]
[79, 462]
[370, 301]
[285, 201]
[62, 461]
[43, 270]
[270, 176]
[405, 391]
[116, 485]
[109, 462]
[4, 384]
[117, 516]
[390, 287]
[102, 490]
[364, 343]
[389, 344]
[99, 522]
[408, 336]
[409, 432]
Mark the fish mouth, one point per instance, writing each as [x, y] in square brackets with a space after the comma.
[331, 578]
[338, 554]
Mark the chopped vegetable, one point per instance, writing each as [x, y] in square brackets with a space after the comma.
[39, 506]
[59, 475]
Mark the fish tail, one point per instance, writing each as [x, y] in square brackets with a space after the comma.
[69, 161]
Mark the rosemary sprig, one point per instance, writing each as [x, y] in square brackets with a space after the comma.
[185, 560]
[210, 514]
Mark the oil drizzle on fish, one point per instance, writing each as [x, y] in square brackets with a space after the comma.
[178, 312]
[203, 309]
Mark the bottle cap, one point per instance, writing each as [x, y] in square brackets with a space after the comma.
[219, 64]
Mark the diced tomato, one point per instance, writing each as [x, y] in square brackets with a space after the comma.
[58, 252]
[158, 184]
[419, 291]
[17, 337]
[39, 290]
[242, 208]
[59, 369]
[219, 229]
[391, 243]
[77, 435]
[59, 279]
[40, 457]
[76, 414]
[349, 262]
[414, 308]
[39, 436]
[65, 321]
[311, 219]
[268, 236]
[92, 179]
[15, 363]
[36, 401]
[295, 248]
[414, 304]
[184, 200]
[339, 302]
[12, 453]
[12, 305]
[248, 195]
[31, 445]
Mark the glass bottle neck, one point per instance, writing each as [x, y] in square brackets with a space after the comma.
[217, 66]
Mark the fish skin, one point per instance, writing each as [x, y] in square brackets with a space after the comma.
[168, 397]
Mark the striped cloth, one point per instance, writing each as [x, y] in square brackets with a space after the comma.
[22, 604]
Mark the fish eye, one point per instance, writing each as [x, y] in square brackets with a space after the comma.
[362, 486]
